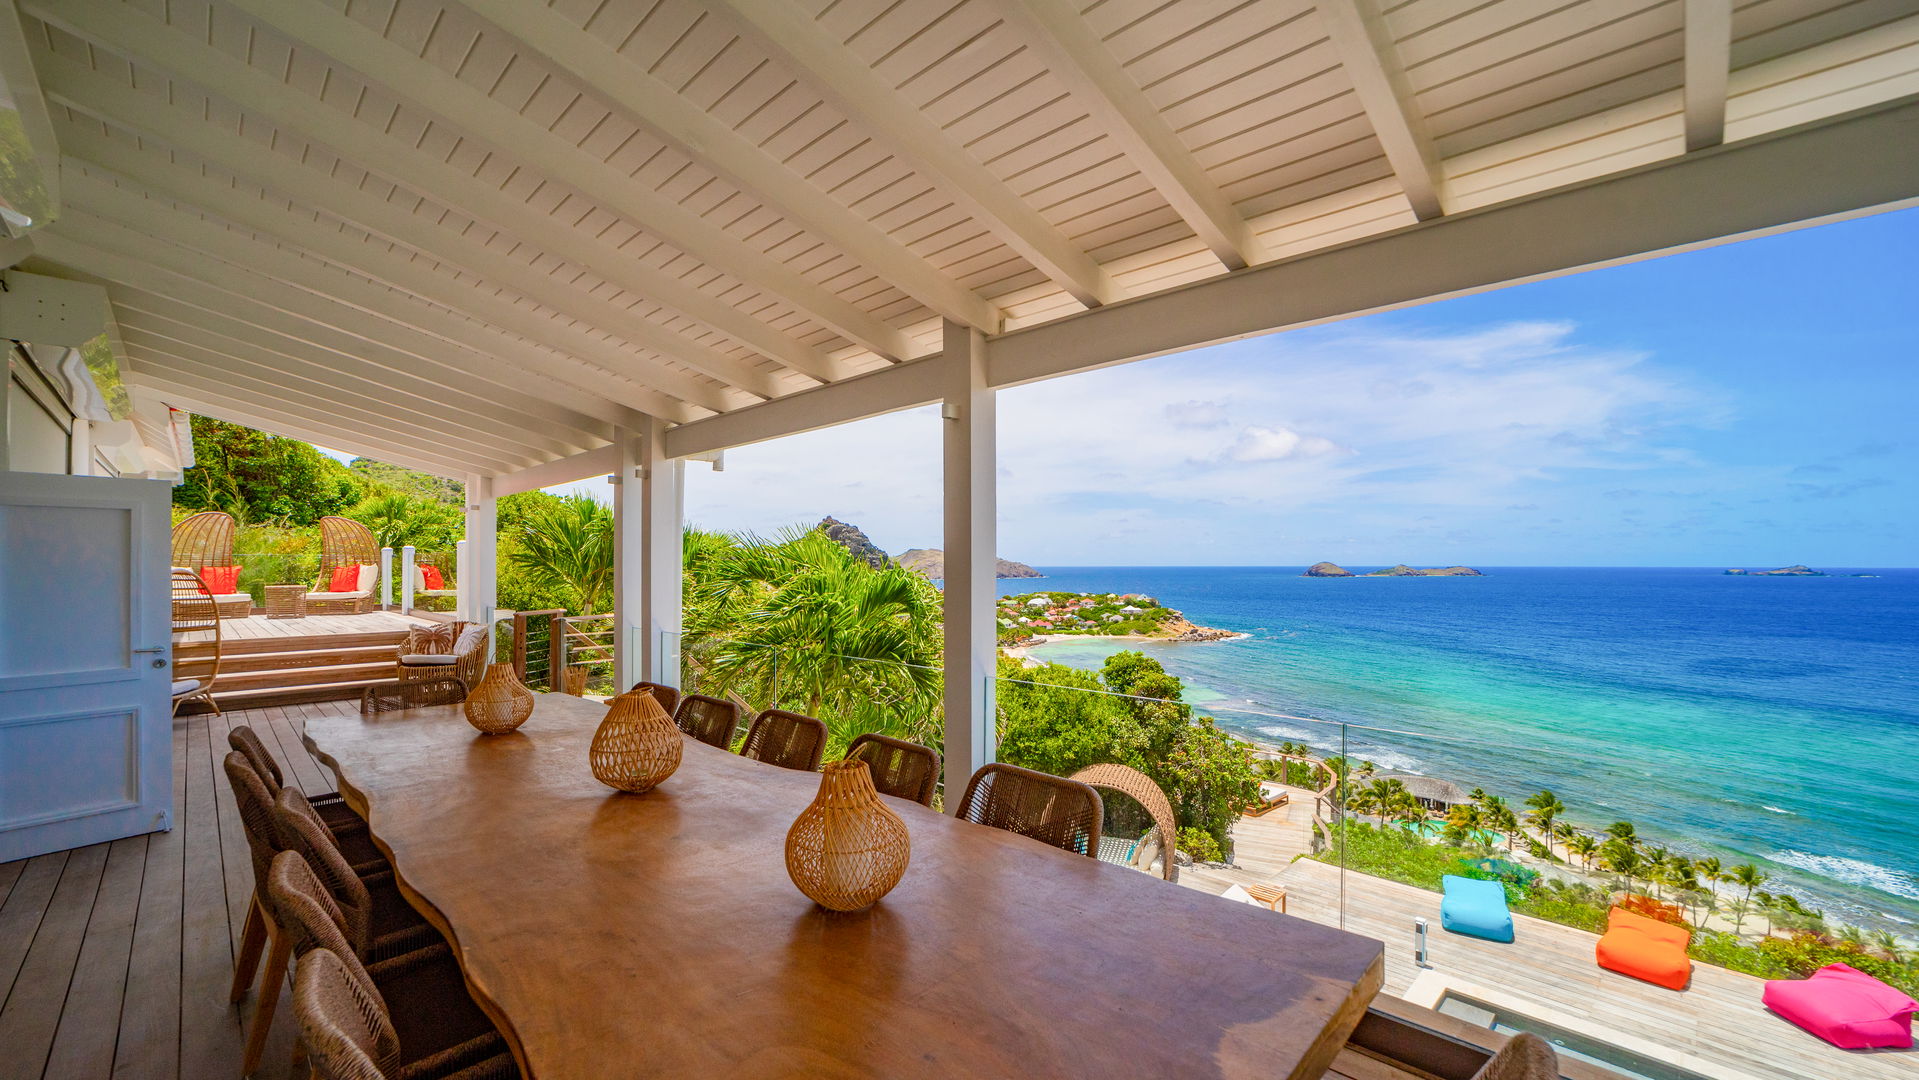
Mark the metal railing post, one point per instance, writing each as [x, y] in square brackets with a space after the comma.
[556, 653]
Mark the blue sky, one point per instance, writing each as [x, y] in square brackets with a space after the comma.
[1743, 405]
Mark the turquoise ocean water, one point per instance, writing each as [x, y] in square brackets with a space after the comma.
[1764, 720]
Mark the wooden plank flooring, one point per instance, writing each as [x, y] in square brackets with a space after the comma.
[255, 627]
[115, 959]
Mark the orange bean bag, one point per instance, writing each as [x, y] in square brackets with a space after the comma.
[1645, 949]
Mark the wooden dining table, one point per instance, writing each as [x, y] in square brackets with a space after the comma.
[615, 935]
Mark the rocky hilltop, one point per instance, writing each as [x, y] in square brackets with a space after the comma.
[852, 539]
[1784, 571]
[932, 563]
[1326, 569]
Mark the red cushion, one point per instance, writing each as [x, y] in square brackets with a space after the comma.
[345, 579]
[1846, 1007]
[1645, 949]
[432, 576]
[221, 580]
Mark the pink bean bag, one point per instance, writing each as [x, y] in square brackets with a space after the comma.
[1846, 1007]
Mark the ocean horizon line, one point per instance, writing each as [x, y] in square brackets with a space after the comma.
[1481, 566]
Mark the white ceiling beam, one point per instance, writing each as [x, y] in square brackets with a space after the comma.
[16, 61]
[604, 461]
[788, 33]
[658, 108]
[429, 87]
[149, 379]
[1370, 59]
[1078, 58]
[305, 187]
[231, 261]
[138, 285]
[238, 295]
[1708, 68]
[181, 57]
[1863, 163]
[201, 370]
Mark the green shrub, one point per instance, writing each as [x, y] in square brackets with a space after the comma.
[1200, 844]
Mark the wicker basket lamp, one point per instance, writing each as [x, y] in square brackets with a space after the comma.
[636, 746]
[905, 770]
[1140, 788]
[500, 703]
[847, 849]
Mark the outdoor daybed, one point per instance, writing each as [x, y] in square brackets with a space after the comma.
[203, 544]
[1645, 949]
[1846, 1007]
[349, 569]
[1475, 908]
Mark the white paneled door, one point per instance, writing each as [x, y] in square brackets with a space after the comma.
[86, 747]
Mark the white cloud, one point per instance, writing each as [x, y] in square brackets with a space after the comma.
[1279, 444]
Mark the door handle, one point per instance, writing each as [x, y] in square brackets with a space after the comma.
[160, 660]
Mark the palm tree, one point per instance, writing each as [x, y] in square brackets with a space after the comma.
[1500, 817]
[1546, 809]
[1622, 858]
[1623, 831]
[1888, 945]
[570, 545]
[1748, 877]
[1584, 846]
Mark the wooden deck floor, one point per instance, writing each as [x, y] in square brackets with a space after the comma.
[1716, 1027]
[255, 627]
[115, 958]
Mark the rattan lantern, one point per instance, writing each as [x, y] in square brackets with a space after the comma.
[637, 745]
[848, 848]
[500, 703]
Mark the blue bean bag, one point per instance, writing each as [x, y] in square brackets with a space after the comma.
[1476, 908]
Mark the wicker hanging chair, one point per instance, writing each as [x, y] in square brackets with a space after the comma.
[205, 540]
[196, 641]
[343, 542]
[1140, 788]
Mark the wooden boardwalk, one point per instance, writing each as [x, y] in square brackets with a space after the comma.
[256, 627]
[1717, 1027]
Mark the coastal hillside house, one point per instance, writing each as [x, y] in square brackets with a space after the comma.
[519, 245]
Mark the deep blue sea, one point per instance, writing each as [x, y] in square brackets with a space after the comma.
[1764, 720]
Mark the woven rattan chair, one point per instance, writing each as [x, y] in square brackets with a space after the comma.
[410, 694]
[1524, 1057]
[1140, 788]
[788, 739]
[196, 641]
[905, 770]
[263, 929]
[333, 810]
[379, 922]
[205, 540]
[435, 1028]
[343, 542]
[349, 1034]
[708, 719]
[1051, 809]
[667, 696]
[455, 649]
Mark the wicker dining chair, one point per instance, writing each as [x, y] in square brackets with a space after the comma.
[205, 540]
[788, 739]
[263, 931]
[902, 769]
[333, 810]
[196, 641]
[1524, 1057]
[343, 542]
[711, 720]
[421, 997]
[376, 919]
[668, 697]
[1051, 809]
[401, 694]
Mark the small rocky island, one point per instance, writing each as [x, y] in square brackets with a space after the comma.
[1784, 571]
[1326, 569]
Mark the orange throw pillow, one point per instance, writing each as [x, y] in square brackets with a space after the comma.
[432, 576]
[345, 579]
[221, 580]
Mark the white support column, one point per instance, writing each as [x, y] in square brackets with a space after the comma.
[662, 482]
[462, 602]
[408, 577]
[479, 592]
[971, 527]
[630, 647]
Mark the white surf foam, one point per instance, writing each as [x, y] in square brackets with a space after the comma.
[1852, 871]
[1778, 810]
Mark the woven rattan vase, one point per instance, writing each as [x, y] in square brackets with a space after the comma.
[500, 703]
[637, 745]
[847, 849]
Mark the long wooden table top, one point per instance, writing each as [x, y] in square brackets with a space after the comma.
[620, 935]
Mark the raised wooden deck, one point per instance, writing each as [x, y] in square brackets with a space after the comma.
[276, 662]
[1717, 1027]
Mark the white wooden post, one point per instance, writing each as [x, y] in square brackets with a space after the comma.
[662, 483]
[971, 526]
[461, 610]
[479, 587]
[386, 578]
[629, 560]
[408, 577]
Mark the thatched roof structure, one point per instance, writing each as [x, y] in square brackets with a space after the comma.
[1429, 788]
